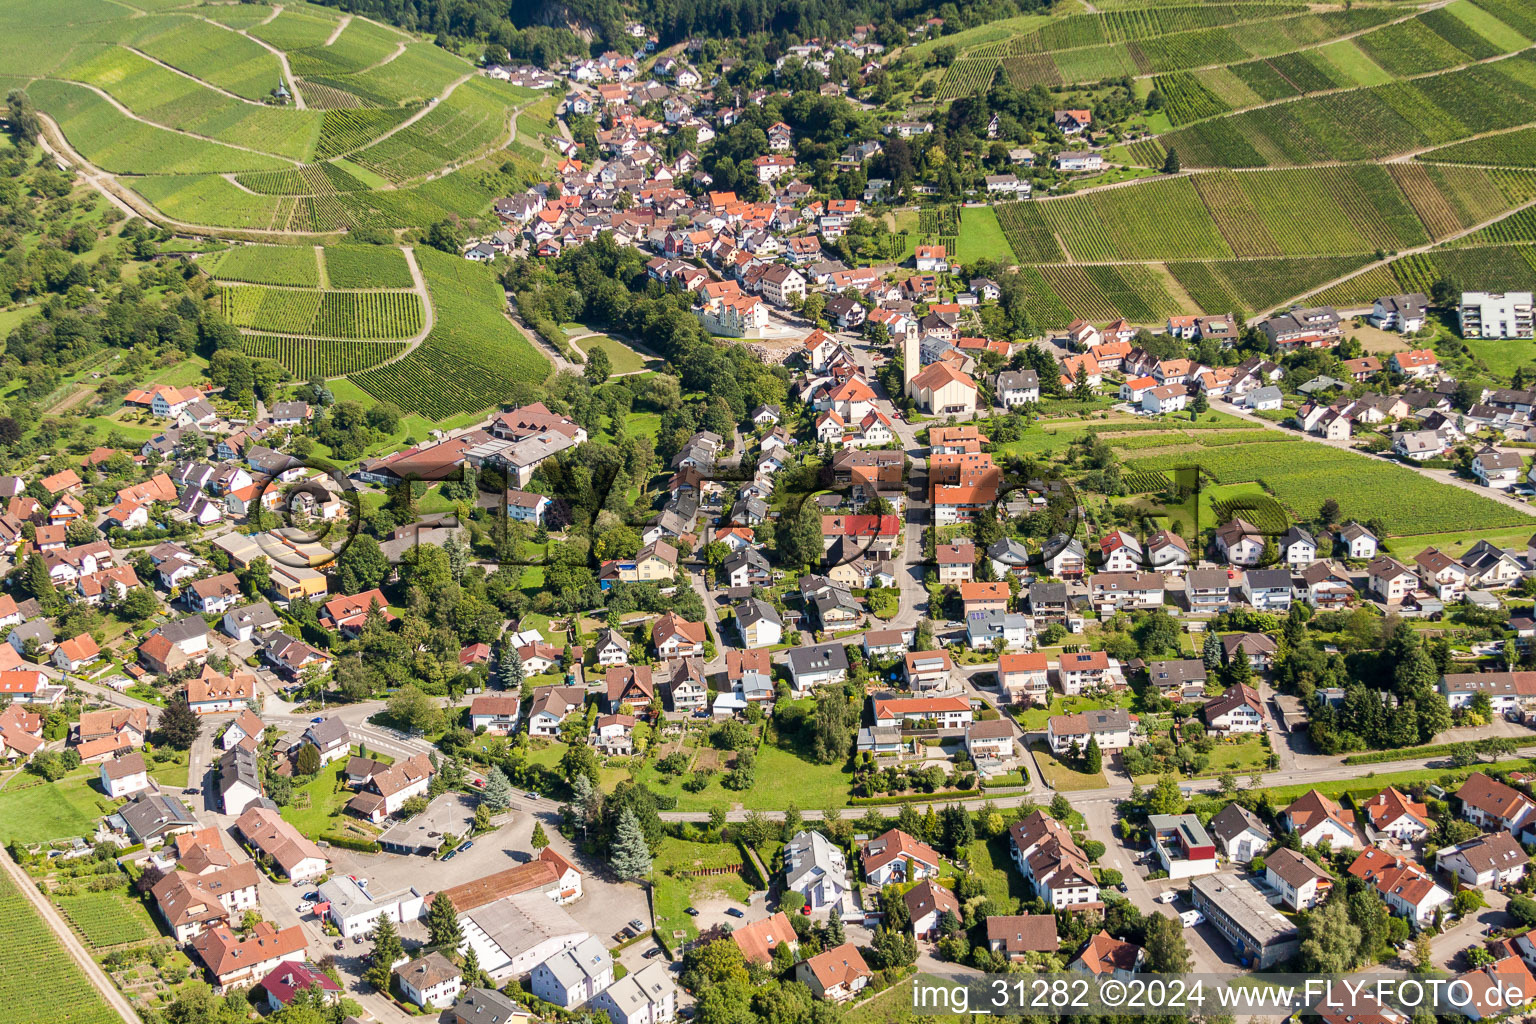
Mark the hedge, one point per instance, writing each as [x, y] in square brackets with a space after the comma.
[347, 842]
[1413, 753]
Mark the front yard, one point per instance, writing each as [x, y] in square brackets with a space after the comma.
[1061, 777]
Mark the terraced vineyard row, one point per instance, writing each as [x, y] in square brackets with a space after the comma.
[458, 127]
[1369, 123]
[265, 264]
[1105, 292]
[343, 131]
[1511, 149]
[1491, 267]
[1248, 285]
[313, 357]
[473, 358]
[331, 314]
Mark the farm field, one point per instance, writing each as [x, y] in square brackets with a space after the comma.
[32, 952]
[366, 266]
[1366, 123]
[981, 237]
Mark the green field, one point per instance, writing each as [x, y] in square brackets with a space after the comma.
[623, 358]
[1301, 475]
[33, 811]
[264, 264]
[674, 892]
[981, 237]
[33, 955]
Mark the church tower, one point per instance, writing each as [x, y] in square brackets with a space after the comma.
[911, 360]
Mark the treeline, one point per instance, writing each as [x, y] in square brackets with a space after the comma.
[541, 31]
[606, 285]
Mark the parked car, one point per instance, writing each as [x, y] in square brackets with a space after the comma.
[465, 845]
[1122, 887]
[636, 925]
[317, 720]
[692, 912]
[652, 953]
[448, 856]
[733, 912]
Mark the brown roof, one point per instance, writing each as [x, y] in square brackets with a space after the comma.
[1292, 868]
[224, 954]
[1491, 796]
[1024, 933]
[425, 972]
[1311, 808]
[758, 939]
[95, 724]
[927, 896]
[211, 685]
[536, 874]
[184, 897]
[402, 774]
[841, 965]
[1105, 953]
[123, 767]
[267, 831]
[1389, 805]
[895, 845]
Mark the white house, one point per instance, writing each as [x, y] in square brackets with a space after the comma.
[1314, 818]
[124, 776]
[815, 868]
[573, 976]
[432, 980]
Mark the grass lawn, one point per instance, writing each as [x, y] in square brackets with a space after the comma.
[1279, 796]
[33, 811]
[675, 893]
[989, 861]
[1351, 60]
[1454, 544]
[1241, 758]
[318, 801]
[981, 236]
[637, 423]
[1503, 355]
[889, 1007]
[172, 772]
[1058, 776]
[622, 358]
[1034, 719]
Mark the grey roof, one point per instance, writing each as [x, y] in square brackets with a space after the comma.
[183, 629]
[1268, 579]
[809, 855]
[1265, 394]
[1165, 674]
[1296, 533]
[486, 1006]
[754, 610]
[1234, 819]
[818, 659]
[1047, 593]
[237, 766]
[330, 733]
[1016, 380]
[1008, 551]
[154, 814]
[256, 616]
[746, 557]
[586, 961]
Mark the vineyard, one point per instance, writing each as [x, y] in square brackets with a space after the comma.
[366, 266]
[313, 357]
[1512, 149]
[107, 918]
[1259, 509]
[1490, 268]
[473, 359]
[328, 314]
[265, 264]
[1134, 223]
[1224, 286]
[469, 120]
[33, 956]
[1105, 292]
[1367, 123]
[1029, 236]
[1302, 475]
